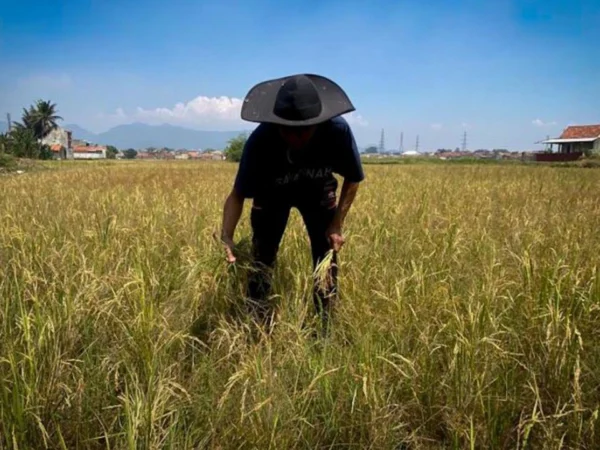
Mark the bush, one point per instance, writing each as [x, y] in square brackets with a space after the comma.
[235, 148]
[7, 162]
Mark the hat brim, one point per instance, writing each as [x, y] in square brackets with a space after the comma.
[259, 103]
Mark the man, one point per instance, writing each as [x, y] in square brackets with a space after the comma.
[289, 161]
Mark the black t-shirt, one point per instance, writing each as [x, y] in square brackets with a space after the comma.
[268, 169]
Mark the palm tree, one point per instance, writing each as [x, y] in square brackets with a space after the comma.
[44, 118]
[28, 120]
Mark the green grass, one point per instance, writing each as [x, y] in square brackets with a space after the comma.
[468, 319]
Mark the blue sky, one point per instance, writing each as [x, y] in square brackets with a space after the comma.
[509, 72]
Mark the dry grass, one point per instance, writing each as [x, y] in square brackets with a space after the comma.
[469, 314]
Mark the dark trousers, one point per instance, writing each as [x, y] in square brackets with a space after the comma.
[269, 220]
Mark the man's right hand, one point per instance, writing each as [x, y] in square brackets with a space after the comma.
[229, 245]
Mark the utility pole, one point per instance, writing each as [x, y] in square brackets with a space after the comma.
[382, 142]
[464, 142]
[402, 142]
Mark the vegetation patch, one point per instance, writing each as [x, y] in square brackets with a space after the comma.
[7, 162]
[468, 315]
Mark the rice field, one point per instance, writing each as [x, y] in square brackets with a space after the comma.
[469, 314]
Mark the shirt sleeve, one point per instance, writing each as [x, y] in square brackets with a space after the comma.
[248, 174]
[349, 162]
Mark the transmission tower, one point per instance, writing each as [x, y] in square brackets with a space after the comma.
[402, 142]
[382, 142]
[417, 145]
[464, 142]
[9, 123]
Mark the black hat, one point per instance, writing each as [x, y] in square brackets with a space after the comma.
[296, 100]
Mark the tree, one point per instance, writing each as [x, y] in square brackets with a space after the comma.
[46, 117]
[235, 148]
[41, 118]
[5, 143]
[23, 143]
[45, 152]
[371, 149]
[129, 153]
[25, 138]
[111, 152]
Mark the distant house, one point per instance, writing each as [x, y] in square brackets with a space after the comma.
[411, 153]
[577, 139]
[60, 142]
[89, 152]
[214, 155]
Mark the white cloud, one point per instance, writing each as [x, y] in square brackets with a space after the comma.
[436, 126]
[465, 125]
[201, 111]
[197, 110]
[541, 123]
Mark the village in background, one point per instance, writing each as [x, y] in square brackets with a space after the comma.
[38, 135]
[575, 141]
[64, 146]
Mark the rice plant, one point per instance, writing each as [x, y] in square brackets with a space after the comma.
[468, 314]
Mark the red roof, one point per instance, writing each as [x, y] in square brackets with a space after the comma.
[56, 147]
[88, 148]
[581, 132]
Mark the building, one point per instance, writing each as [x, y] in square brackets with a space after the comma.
[89, 152]
[577, 139]
[60, 142]
[212, 155]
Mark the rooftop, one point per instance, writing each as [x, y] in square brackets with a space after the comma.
[581, 132]
[88, 148]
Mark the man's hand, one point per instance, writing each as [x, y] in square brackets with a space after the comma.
[228, 244]
[336, 239]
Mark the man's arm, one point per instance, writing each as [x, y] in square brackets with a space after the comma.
[244, 186]
[232, 211]
[347, 196]
[349, 167]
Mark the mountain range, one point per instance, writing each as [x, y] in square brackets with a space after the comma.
[139, 136]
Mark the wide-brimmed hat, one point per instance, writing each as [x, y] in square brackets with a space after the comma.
[296, 100]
